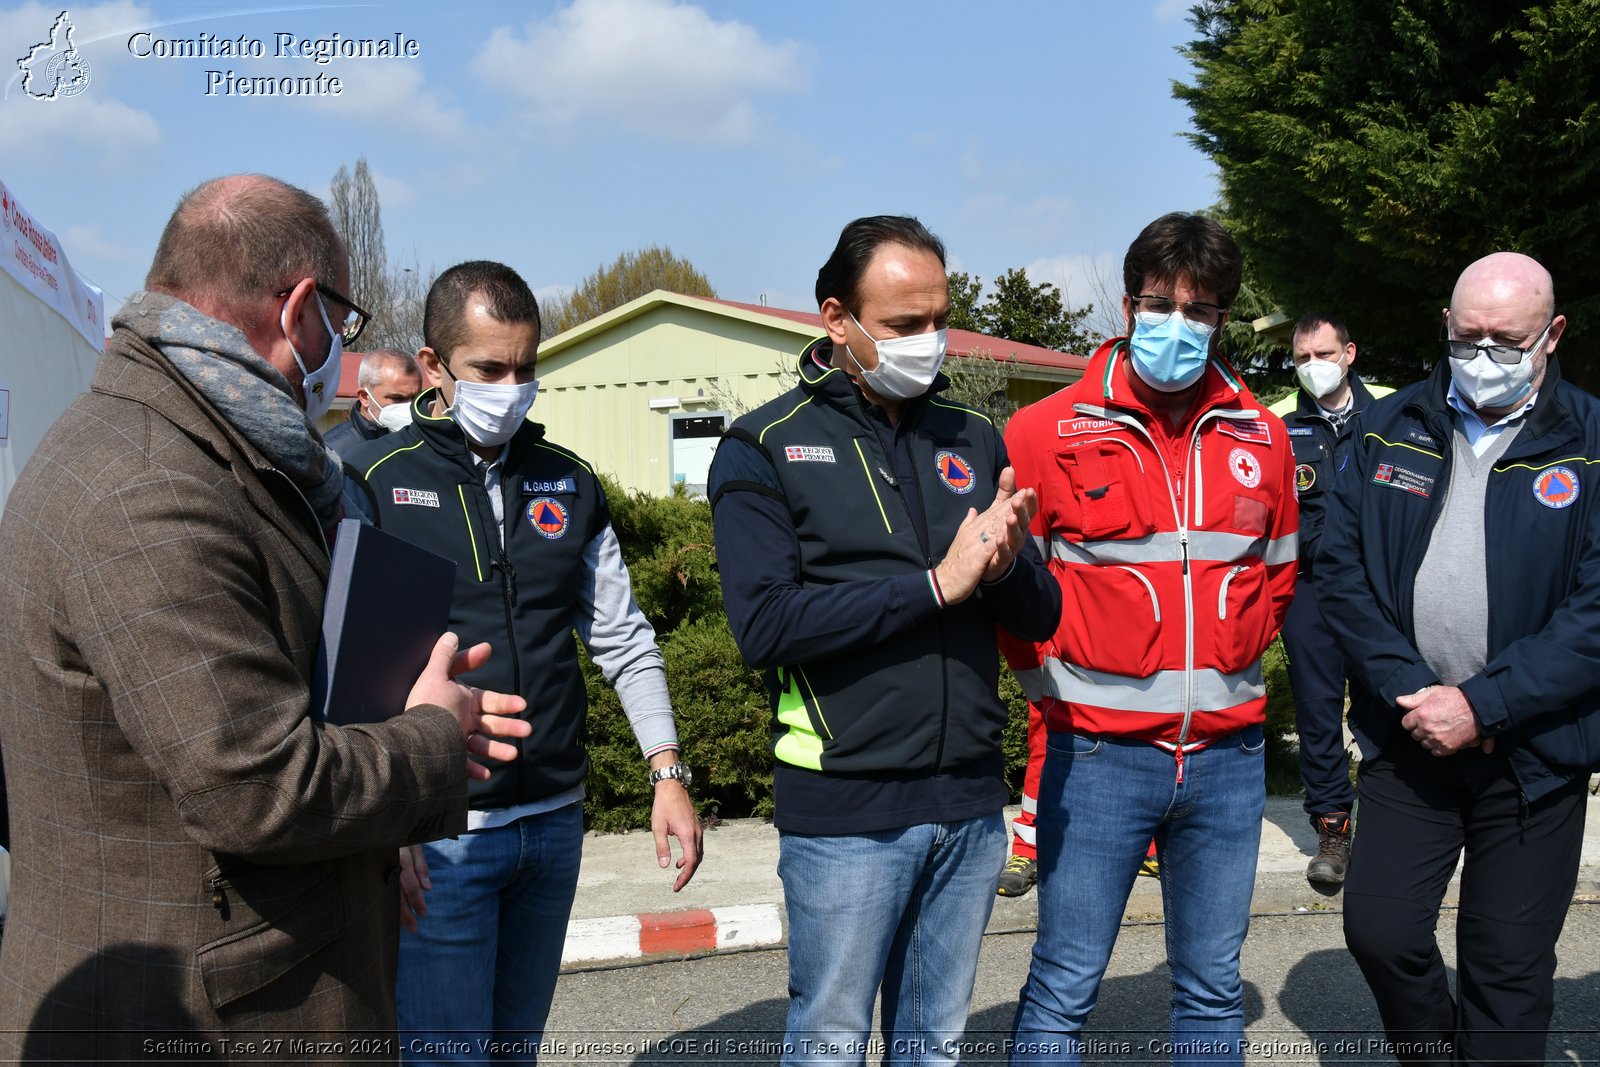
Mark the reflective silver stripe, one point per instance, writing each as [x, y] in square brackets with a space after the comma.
[1166, 547]
[1025, 833]
[1035, 683]
[1042, 543]
[1285, 549]
[1161, 693]
[1030, 804]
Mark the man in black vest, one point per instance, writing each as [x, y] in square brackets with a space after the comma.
[859, 573]
[536, 559]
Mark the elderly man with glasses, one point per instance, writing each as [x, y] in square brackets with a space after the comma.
[1460, 570]
[1167, 513]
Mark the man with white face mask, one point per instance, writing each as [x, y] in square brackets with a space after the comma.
[385, 386]
[1459, 569]
[526, 521]
[858, 572]
[1319, 415]
[198, 856]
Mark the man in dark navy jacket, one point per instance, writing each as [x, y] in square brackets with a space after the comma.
[1460, 570]
[858, 571]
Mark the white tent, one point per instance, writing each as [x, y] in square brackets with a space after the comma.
[52, 331]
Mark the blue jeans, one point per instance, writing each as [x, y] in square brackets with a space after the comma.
[1101, 801]
[903, 909]
[484, 960]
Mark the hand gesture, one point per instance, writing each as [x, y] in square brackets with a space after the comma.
[482, 715]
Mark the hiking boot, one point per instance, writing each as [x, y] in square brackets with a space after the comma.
[1019, 875]
[1333, 850]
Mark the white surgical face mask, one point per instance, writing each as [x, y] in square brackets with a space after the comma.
[319, 385]
[906, 365]
[1488, 384]
[1319, 377]
[395, 416]
[490, 414]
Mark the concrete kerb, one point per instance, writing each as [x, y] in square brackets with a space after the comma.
[626, 912]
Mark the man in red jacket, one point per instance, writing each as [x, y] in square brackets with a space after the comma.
[1167, 513]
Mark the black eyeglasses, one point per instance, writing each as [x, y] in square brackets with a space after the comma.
[1158, 309]
[1508, 354]
[355, 319]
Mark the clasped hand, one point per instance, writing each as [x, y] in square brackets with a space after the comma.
[986, 544]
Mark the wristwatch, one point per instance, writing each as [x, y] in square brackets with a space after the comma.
[679, 770]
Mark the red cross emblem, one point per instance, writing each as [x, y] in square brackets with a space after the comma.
[1245, 468]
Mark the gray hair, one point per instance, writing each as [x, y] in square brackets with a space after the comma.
[372, 363]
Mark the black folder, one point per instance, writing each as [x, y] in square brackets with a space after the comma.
[387, 603]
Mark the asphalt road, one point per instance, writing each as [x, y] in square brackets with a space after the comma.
[1305, 1001]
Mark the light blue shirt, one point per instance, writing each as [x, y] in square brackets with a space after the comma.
[1480, 434]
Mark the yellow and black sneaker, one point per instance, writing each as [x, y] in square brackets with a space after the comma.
[1019, 875]
[1151, 867]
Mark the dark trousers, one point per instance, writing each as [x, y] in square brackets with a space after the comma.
[1417, 813]
[1316, 675]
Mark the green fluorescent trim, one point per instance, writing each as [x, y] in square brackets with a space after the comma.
[1402, 444]
[873, 486]
[762, 436]
[461, 491]
[563, 452]
[936, 402]
[799, 745]
[1552, 463]
[390, 456]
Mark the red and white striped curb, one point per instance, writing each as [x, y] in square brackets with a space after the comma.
[673, 933]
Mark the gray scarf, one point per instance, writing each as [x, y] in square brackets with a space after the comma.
[249, 392]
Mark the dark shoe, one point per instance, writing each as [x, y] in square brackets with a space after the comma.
[1019, 875]
[1333, 849]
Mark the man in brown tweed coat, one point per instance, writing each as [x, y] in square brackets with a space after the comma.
[198, 866]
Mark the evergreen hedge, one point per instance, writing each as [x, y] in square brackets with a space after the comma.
[721, 704]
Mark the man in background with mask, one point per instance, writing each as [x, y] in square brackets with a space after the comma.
[1319, 415]
[858, 572]
[526, 521]
[1167, 512]
[1460, 570]
[385, 386]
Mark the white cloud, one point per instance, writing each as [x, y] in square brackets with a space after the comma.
[660, 68]
[83, 241]
[391, 190]
[544, 294]
[1086, 279]
[1172, 10]
[1082, 279]
[390, 92]
[42, 128]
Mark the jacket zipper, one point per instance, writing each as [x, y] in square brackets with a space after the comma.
[927, 556]
[508, 585]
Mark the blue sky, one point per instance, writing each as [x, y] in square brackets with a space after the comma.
[556, 134]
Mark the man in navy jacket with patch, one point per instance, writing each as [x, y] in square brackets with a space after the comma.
[870, 538]
[1460, 570]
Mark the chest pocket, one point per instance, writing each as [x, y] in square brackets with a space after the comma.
[1110, 492]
